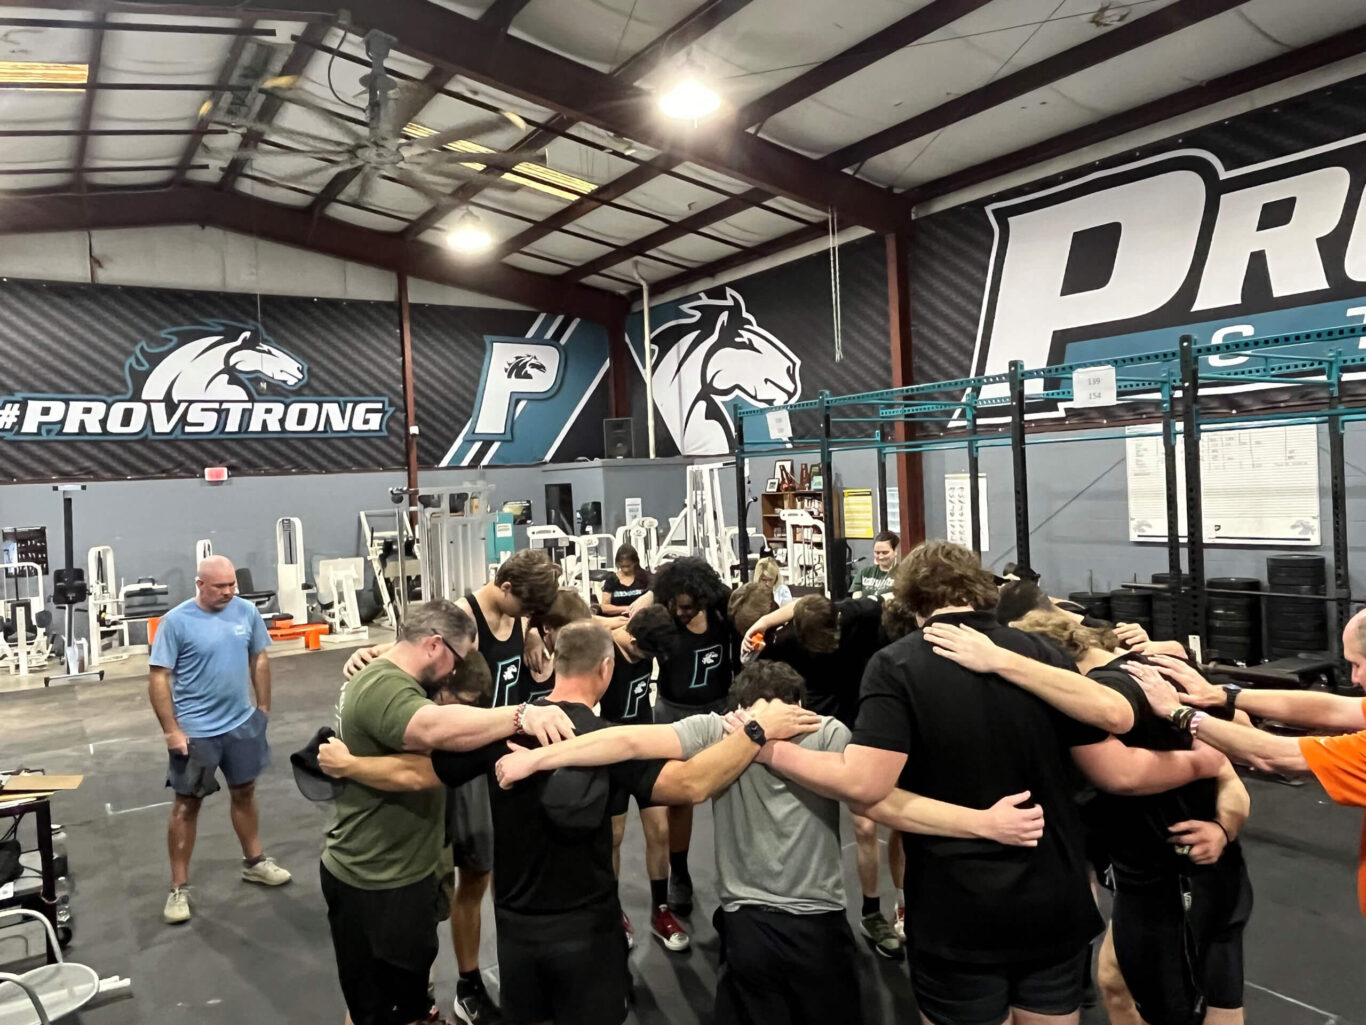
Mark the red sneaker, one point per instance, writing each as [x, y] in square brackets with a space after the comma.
[630, 932]
[669, 930]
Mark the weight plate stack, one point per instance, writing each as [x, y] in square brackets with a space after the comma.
[1096, 603]
[1132, 607]
[1234, 622]
[1292, 625]
[1165, 608]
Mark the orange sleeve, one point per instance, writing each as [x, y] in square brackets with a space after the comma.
[1340, 765]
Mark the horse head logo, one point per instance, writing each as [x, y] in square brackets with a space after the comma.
[521, 367]
[214, 361]
[716, 353]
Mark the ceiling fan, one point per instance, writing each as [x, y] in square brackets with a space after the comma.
[382, 146]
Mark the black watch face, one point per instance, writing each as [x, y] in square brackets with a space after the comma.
[755, 732]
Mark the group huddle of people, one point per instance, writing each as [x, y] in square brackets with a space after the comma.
[1022, 755]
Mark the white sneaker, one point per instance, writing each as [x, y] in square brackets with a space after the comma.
[266, 872]
[177, 907]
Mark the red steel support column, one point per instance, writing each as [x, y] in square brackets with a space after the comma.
[910, 475]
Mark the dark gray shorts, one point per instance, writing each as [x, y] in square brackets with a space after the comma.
[470, 825]
[666, 712]
[242, 754]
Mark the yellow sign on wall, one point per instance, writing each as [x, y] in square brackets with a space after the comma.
[859, 514]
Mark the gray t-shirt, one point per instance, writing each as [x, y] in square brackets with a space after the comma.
[777, 843]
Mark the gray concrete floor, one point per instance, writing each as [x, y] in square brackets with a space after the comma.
[257, 955]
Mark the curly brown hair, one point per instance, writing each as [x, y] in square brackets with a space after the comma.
[534, 578]
[938, 574]
[1074, 639]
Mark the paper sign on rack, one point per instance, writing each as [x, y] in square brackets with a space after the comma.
[779, 425]
[1094, 386]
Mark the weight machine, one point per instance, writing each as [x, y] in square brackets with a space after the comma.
[24, 642]
[642, 534]
[453, 526]
[385, 533]
[104, 607]
[291, 584]
[339, 583]
[805, 548]
[577, 574]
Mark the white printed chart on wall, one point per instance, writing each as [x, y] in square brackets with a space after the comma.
[958, 524]
[1259, 485]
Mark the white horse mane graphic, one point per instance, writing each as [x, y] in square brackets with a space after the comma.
[714, 353]
[214, 361]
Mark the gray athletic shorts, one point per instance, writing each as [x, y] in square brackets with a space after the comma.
[242, 754]
[469, 822]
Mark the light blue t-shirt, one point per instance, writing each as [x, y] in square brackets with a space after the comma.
[208, 653]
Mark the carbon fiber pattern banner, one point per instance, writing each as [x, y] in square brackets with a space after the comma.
[1246, 227]
[103, 382]
[764, 340]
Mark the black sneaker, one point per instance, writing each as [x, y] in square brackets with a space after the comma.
[680, 896]
[476, 1007]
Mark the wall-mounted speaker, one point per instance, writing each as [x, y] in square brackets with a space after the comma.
[616, 438]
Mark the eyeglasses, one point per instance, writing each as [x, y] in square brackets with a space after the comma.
[454, 654]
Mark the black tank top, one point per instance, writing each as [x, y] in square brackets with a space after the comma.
[627, 699]
[699, 670]
[511, 681]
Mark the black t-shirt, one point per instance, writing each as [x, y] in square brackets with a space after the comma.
[972, 739]
[627, 698]
[832, 678]
[511, 678]
[1134, 830]
[614, 592]
[698, 671]
[538, 870]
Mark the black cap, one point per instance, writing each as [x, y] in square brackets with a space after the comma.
[313, 783]
[574, 800]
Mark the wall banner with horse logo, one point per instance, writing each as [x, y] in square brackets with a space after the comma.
[119, 382]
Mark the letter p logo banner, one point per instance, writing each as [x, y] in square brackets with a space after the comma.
[515, 370]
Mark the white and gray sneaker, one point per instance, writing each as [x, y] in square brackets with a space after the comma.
[177, 907]
[266, 872]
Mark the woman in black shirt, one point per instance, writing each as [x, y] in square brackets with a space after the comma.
[624, 586]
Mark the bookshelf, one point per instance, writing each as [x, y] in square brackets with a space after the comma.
[775, 532]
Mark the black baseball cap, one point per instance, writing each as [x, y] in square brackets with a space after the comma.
[313, 783]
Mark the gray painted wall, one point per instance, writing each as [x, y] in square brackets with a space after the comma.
[1078, 500]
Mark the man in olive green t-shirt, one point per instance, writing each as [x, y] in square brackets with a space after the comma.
[380, 853]
[875, 581]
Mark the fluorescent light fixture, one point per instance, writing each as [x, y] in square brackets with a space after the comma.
[527, 174]
[46, 72]
[469, 235]
[689, 100]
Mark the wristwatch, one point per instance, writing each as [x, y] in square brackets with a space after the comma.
[755, 732]
[1231, 692]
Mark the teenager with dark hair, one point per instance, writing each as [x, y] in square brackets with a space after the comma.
[695, 677]
[875, 581]
[624, 586]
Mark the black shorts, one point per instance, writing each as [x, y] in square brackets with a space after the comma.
[566, 968]
[778, 968]
[385, 943]
[469, 825]
[241, 754]
[1176, 963]
[963, 993]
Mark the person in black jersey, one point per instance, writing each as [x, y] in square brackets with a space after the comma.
[623, 587]
[1182, 895]
[829, 644]
[648, 635]
[525, 586]
[995, 935]
[694, 678]
[561, 948]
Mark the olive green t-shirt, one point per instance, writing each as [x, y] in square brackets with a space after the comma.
[380, 840]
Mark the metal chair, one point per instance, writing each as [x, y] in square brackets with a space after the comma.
[42, 995]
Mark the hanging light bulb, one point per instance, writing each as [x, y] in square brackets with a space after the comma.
[469, 235]
[689, 98]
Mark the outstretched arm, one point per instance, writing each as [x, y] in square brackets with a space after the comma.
[1069, 692]
[381, 772]
[857, 775]
[1136, 771]
[1296, 707]
[601, 747]
[1005, 822]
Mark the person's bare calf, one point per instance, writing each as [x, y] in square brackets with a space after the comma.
[180, 836]
[246, 820]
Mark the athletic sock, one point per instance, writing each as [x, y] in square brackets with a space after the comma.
[678, 866]
[901, 898]
[469, 981]
[872, 906]
[659, 892]
[249, 862]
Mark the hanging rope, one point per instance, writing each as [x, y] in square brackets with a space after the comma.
[836, 312]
